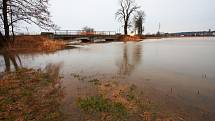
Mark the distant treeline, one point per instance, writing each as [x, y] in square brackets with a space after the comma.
[183, 34]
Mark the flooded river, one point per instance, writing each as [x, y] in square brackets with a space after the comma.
[176, 73]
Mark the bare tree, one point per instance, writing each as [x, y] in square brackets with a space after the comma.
[138, 22]
[124, 13]
[24, 11]
[88, 29]
[4, 16]
[12, 25]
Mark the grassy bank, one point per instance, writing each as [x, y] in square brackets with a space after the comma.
[30, 43]
[126, 38]
[117, 102]
[29, 94]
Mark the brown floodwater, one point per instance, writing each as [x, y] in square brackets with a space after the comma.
[176, 73]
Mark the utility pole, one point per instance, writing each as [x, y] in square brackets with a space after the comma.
[159, 26]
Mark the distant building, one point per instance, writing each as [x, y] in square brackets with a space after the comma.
[199, 33]
[183, 34]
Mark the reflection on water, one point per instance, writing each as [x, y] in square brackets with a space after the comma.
[168, 69]
[131, 58]
[53, 70]
[11, 61]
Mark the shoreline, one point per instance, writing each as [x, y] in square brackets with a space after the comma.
[79, 80]
[29, 94]
[178, 37]
[33, 44]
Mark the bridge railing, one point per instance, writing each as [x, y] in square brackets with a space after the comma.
[82, 32]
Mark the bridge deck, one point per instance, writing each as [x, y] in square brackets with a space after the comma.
[82, 32]
[76, 34]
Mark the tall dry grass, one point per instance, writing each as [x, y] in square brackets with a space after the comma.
[35, 44]
[126, 38]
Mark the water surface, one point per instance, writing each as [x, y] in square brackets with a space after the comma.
[179, 73]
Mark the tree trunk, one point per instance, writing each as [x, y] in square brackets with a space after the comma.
[6, 61]
[126, 28]
[5, 17]
[11, 20]
[1, 40]
[140, 30]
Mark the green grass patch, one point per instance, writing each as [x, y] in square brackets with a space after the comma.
[76, 75]
[7, 101]
[98, 104]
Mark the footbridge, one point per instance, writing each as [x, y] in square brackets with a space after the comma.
[74, 35]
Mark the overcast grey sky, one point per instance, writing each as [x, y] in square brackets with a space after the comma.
[174, 15]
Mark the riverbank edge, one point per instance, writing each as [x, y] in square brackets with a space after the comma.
[29, 94]
[33, 43]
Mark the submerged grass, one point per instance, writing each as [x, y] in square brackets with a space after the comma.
[118, 102]
[95, 81]
[99, 104]
[29, 94]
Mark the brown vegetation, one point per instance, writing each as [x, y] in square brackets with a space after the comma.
[126, 38]
[30, 43]
[116, 101]
[29, 94]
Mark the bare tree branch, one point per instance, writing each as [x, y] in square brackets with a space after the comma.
[138, 21]
[127, 8]
[27, 11]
